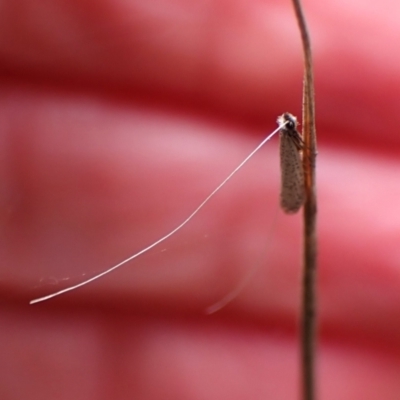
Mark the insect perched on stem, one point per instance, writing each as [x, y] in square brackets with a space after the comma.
[292, 195]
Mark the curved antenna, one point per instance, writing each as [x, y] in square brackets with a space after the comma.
[70, 288]
[237, 290]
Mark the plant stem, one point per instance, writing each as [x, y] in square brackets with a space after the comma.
[308, 308]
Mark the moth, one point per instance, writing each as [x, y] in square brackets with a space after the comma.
[292, 194]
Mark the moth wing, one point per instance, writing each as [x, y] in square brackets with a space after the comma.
[292, 177]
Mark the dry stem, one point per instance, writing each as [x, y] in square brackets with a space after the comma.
[308, 310]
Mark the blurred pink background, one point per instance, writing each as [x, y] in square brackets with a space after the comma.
[117, 118]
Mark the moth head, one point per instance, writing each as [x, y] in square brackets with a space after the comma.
[289, 120]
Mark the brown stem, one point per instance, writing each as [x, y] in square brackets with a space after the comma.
[308, 310]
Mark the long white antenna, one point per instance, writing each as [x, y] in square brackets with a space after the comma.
[68, 289]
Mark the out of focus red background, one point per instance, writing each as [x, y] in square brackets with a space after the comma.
[117, 118]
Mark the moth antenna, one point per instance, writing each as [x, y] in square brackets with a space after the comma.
[70, 288]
